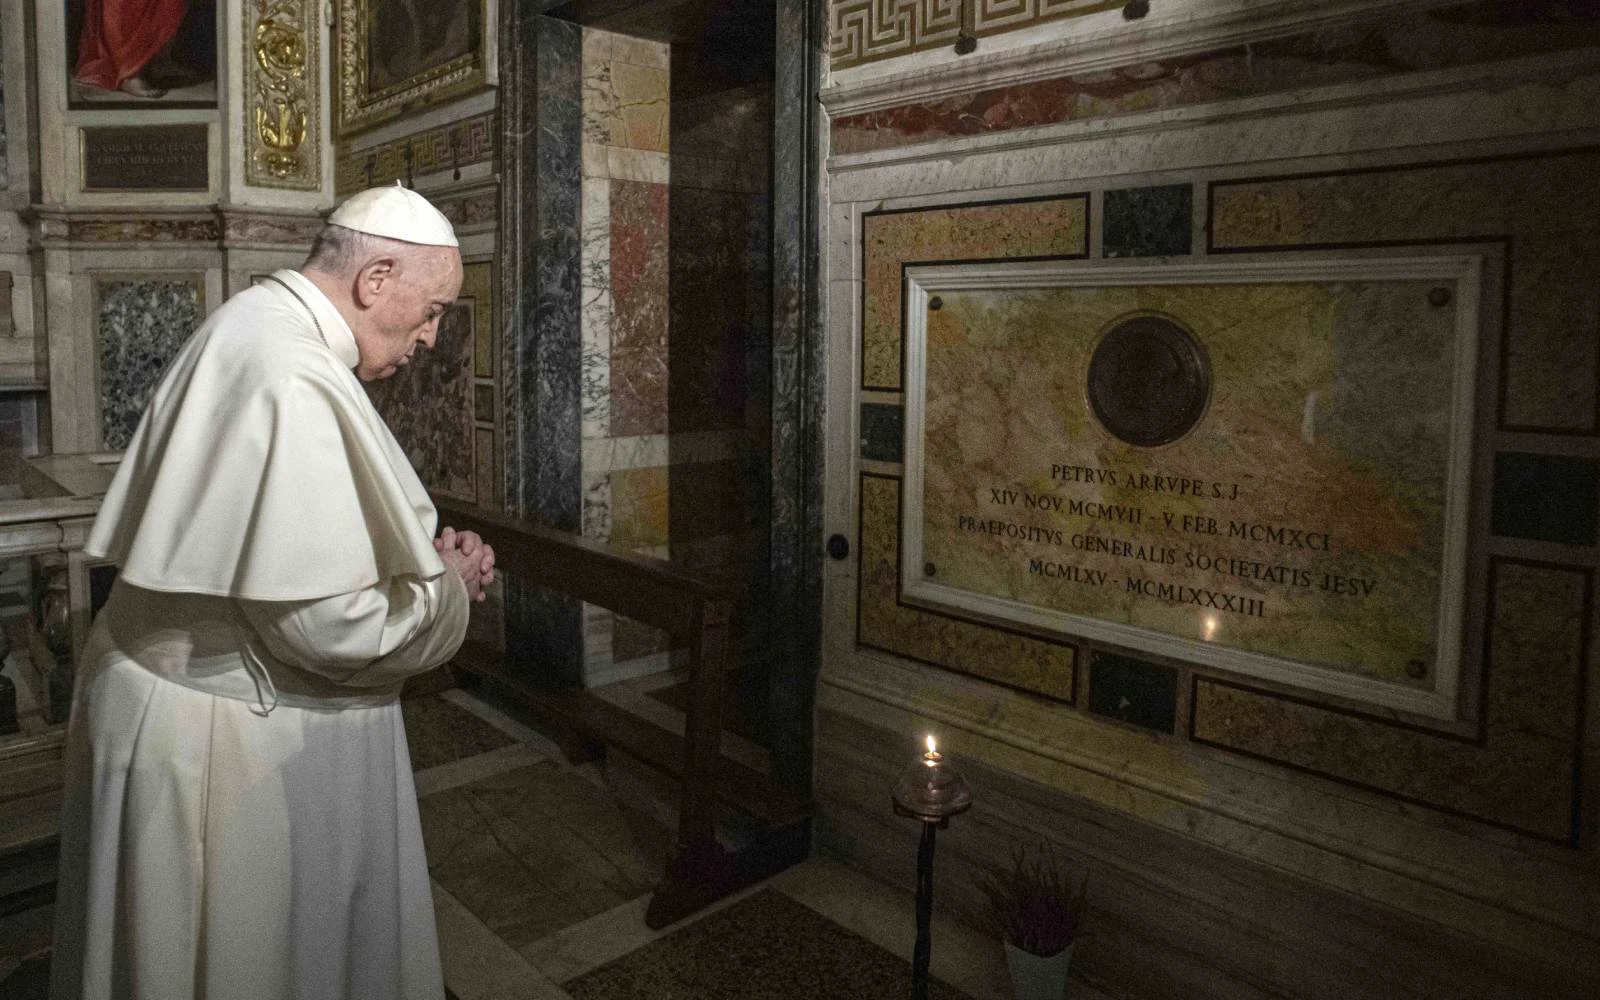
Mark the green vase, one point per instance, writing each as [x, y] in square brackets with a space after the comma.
[1038, 977]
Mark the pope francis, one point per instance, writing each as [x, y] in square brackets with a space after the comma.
[240, 820]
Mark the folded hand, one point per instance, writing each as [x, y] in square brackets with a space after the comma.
[469, 556]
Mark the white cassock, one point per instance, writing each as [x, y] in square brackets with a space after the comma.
[240, 821]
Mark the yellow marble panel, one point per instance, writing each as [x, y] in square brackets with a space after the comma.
[1521, 775]
[995, 654]
[1301, 518]
[1052, 227]
[639, 508]
[1550, 363]
[477, 288]
[641, 101]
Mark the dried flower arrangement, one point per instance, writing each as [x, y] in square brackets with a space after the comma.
[1034, 906]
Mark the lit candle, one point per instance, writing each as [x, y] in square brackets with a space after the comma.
[931, 790]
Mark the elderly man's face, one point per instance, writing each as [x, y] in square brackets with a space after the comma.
[407, 311]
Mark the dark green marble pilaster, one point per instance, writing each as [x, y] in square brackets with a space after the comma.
[795, 560]
[541, 237]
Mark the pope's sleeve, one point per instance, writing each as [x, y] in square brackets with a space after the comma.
[371, 637]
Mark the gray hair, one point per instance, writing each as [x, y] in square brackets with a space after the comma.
[340, 251]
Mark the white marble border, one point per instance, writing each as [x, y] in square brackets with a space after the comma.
[60, 135]
[1439, 702]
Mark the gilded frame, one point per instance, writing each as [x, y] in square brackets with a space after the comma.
[361, 104]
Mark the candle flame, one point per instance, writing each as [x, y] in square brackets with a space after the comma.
[930, 744]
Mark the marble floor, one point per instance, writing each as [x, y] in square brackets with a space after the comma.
[541, 881]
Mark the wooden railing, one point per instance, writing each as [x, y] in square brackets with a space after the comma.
[699, 615]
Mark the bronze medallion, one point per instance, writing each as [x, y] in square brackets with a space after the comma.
[1149, 381]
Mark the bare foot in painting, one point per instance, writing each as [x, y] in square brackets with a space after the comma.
[138, 86]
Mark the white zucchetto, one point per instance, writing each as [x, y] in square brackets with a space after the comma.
[397, 213]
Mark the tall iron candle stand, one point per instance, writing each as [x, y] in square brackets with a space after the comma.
[932, 791]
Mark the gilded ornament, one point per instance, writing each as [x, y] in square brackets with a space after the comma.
[282, 51]
[279, 51]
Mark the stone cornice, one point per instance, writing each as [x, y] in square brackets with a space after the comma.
[214, 226]
[1417, 87]
[1186, 30]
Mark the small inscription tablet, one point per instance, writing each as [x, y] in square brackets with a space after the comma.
[145, 158]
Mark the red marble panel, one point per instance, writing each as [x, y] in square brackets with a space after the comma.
[639, 308]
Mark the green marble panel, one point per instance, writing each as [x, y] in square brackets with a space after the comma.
[1134, 691]
[142, 324]
[1148, 221]
[1550, 498]
[882, 432]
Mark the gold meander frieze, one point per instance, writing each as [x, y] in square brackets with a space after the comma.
[281, 124]
[862, 31]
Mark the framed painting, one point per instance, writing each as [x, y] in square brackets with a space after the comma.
[398, 55]
[141, 54]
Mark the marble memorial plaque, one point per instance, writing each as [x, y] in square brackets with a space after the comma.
[1261, 467]
[145, 158]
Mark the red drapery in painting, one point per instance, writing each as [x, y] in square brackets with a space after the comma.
[121, 36]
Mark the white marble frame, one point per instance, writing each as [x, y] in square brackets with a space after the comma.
[1441, 701]
[71, 275]
[61, 126]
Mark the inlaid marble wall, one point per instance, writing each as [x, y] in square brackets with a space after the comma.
[675, 315]
[142, 322]
[1405, 130]
[626, 349]
[441, 407]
